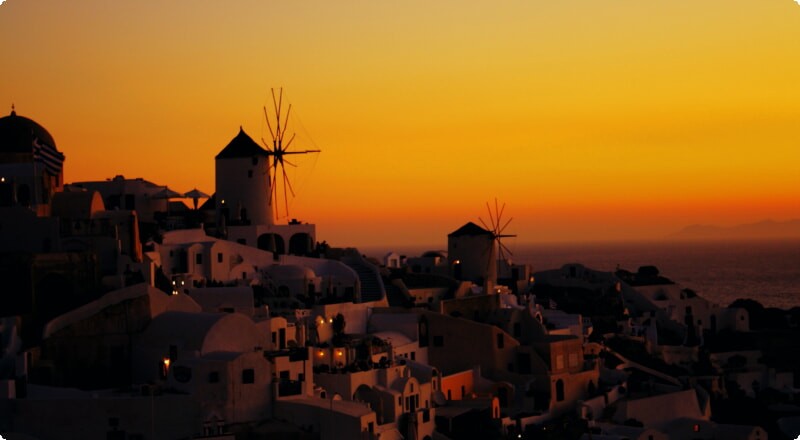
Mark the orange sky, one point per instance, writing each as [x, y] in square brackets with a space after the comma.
[591, 119]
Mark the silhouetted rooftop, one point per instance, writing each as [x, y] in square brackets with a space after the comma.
[469, 229]
[241, 146]
[18, 132]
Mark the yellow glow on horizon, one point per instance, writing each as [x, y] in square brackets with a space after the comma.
[628, 119]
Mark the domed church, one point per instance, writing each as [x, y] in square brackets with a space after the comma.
[31, 167]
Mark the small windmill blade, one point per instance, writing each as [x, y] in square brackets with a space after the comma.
[285, 194]
[271, 133]
[288, 183]
[500, 231]
[491, 218]
[484, 224]
[504, 248]
[287, 120]
[290, 142]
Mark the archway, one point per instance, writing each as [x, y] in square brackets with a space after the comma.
[300, 244]
[271, 242]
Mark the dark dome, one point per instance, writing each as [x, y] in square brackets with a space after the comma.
[18, 132]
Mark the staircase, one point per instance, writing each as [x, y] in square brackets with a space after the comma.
[372, 288]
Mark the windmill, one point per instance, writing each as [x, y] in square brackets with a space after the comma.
[278, 150]
[496, 228]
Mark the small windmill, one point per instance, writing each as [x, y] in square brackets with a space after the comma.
[496, 230]
[278, 149]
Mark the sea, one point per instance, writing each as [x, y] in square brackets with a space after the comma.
[720, 271]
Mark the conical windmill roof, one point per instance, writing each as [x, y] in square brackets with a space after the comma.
[241, 146]
[470, 229]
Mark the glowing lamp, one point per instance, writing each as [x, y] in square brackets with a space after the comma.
[339, 353]
[321, 353]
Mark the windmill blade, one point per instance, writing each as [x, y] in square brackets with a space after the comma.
[286, 123]
[277, 114]
[271, 133]
[290, 139]
[484, 224]
[272, 189]
[502, 254]
[500, 215]
[286, 194]
[504, 247]
[491, 218]
[302, 152]
[263, 141]
[286, 162]
[500, 231]
[287, 183]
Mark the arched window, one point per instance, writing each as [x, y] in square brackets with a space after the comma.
[271, 242]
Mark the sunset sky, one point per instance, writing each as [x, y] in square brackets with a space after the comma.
[591, 120]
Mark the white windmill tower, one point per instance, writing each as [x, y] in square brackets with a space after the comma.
[249, 182]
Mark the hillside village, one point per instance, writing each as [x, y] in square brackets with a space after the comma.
[127, 314]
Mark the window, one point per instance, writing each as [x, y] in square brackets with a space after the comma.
[248, 375]
[413, 355]
[213, 377]
[438, 341]
[560, 362]
[400, 400]
[198, 259]
[274, 337]
[284, 375]
[573, 359]
[219, 257]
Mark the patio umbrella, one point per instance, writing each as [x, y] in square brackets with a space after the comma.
[167, 194]
[195, 195]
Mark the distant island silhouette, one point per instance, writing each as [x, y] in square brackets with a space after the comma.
[765, 229]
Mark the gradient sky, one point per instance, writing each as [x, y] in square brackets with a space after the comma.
[591, 120]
